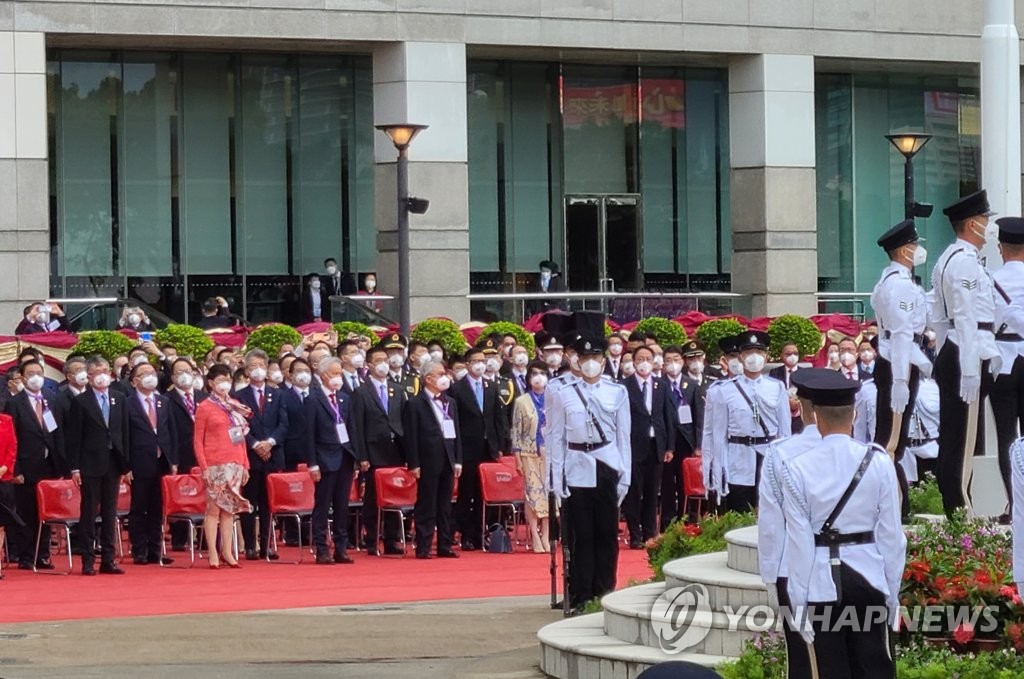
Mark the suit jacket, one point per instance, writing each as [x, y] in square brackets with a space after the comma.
[62, 411]
[378, 434]
[271, 423]
[691, 394]
[660, 417]
[345, 387]
[36, 446]
[213, 322]
[94, 447]
[185, 427]
[307, 304]
[483, 432]
[426, 448]
[615, 374]
[295, 443]
[322, 445]
[144, 443]
[26, 328]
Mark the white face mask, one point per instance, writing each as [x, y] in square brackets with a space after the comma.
[847, 359]
[493, 365]
[370, 284]
[791, 360]
[553, 359]
[545, 275]
[833, 357]
[477, 368]
[628, 370]
[81, 378]
[331, 269]
[258, 374]
[276, 376]
[149, 382]
[315, 284]
[461, 373]
[696, 367]
[184, 380]
[19, 387]
[303, 379]
[644, 368]
[754, 363]
[101, 381]
[358, 361]
[520, 359]
[615, 349]
[659, 361]
[134, 319]
[735, 366]
[222, 388]
[35, 383]
[674, 368]
[591, 368]
[539, 381]
[920, 256]
[138, 360]
[380, 369]
[437, 355]
[396, 360]
[335, 383]
[443, 382]
[867, 356]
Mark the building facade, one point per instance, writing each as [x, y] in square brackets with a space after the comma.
[170, 151]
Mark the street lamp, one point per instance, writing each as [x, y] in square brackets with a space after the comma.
[908, 144]
[401, 135]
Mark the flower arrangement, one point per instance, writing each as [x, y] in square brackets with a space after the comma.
[343, 328]
[271, 337]
[442, 330]
[685, 539]
[187, 339]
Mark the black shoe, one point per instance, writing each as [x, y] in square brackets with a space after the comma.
[250, 555]
[324, 559]
[179, 548]
[636, 545]
[140, 560]
[393, 550]
[44, 565]
[162, 560]
[372, 551]
[468, 546]
[25, 566]
[342, 557]
[447, 555]
[111, 569]
[424, 556]
[88, 570]
[1005, 520]
[269, 556]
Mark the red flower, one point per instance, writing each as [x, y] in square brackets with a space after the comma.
[918, 570]
[963, 634]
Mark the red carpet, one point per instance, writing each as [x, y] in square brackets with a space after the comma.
[150, 590]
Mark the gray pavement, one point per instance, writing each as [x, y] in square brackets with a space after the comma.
[472, 639]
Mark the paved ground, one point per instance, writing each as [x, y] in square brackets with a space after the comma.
[475, 639]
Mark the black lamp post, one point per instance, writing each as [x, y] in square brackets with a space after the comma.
[908, 144]
[401, 136]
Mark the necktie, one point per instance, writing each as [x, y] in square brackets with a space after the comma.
[643, 394]
[302, 395]
[190, 404]
[478, 387]
[383, 396]
[260, 392]
[105, 408]
[334, 404]
[151, 412]
[39, 409]
[675, 391]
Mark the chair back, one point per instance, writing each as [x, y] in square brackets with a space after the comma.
[58, 500]
[290, 492]
[124, 497]
[396, 487]
[183, 494]
[693, 478]
[355, 495]
[500, 483]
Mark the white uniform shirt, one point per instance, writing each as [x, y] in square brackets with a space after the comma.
[771, 524]
[569, 421]
[1011, 280]
[811, 496]
[1017, 485]
[713, 462]
[732, 416]
[866, 407]
[924, 425]
[901, 311]
[963, 297]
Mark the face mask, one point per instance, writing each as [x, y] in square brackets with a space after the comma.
[184, 380]
[867, 356]
[303, 379]
[659, 361]
[149, 382]
[477, 368]
[380, 369]
[222, 388]
[331, 269]
[19, 387]
[134, 319]
[696, 367]
[443, 382]
[461, 373]
[847, 359]
[396, 360]
[81, 378]
[615, 349]
[553, 359]
[335, 383]
[358, 361]
[754, 363]
[276, 376]
[101, 381]
[520, 359]
[674, 368]
[138, 360]
[644, 368]
[545, 276]
[258, 374]
[920, 256]
[735, 366]
[539, 381]
[628, 370]
[315, 285]
[371, 284]
[35, 383]
[437, 355]
[591, 368]
[791, 360]
[493, 364]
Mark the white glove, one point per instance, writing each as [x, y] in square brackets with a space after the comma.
[773, 596]
[969, 387]
[900, 396]
[622, 490]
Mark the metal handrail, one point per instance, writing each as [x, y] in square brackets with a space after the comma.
[854, 299]
[519, 300]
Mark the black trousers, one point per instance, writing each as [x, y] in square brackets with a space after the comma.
[1008, 407]
[99, 491]
[145, 519]
[744, 498]
[331, 493]
[641, 504]
[391, 527]
[851, 651]
[673, 503]
[953, 424]
[884, 419]
[22, 540]
[255, 491]
[798, 660]
[433, 511]
[468, 507]
[590, 518]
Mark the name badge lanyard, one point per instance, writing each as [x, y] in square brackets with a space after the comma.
[231, 414]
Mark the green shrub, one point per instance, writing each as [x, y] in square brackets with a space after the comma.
[443, 331]
[667, 332]
[506, 328]
[187, 339]
[593, 606]
[763, 658]
[608, 329]
[710, 332]
[790, 329]
[925, 497]
[106, 343]
[345, 327]
[681, 539]
[271, 337]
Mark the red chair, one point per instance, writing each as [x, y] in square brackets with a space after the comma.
[124, 507]
[290, 495]
[396, 492]
[355, 506]
[503, 487]
[184, 500]
[693, 483]
[60, 504]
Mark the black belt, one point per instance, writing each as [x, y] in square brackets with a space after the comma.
[751, 440]
[837, 539]
[585, 447]
[990, 327]
[917, 443]
[1008, 337]
[918, 339]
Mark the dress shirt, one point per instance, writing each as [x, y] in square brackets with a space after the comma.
[902, 311]
[963, 294]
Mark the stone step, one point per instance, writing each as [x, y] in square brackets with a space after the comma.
[725, 586]
[628, 617]
[578, 648]
[741, 546]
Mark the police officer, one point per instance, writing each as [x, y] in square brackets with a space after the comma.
[963, 310]
[845, 549]
[899, 305]
[714, 452]
[587, 438]
[750, 412]
[400, 374]
[550, 350]
[771, 525]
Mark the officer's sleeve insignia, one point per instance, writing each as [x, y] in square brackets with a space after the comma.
[969, 284]
[907, 306]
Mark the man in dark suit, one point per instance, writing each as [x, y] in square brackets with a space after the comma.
[314, 303]
[331, 459]
[688, 416]
[211, 316]
[335, 282]
[613, 363]
[652, 440]
[433, 448]
[377, 441]
[784, 373]
[36, 426]
[184, 397]
[152, 454]
[97, 450]
[483, 428]
[352, 363]
[42, 317]
[76, 381]
[268, 429]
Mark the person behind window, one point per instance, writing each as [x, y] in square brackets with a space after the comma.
[211, 316]
[315, 304]
[370, 289]
[42, 317]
